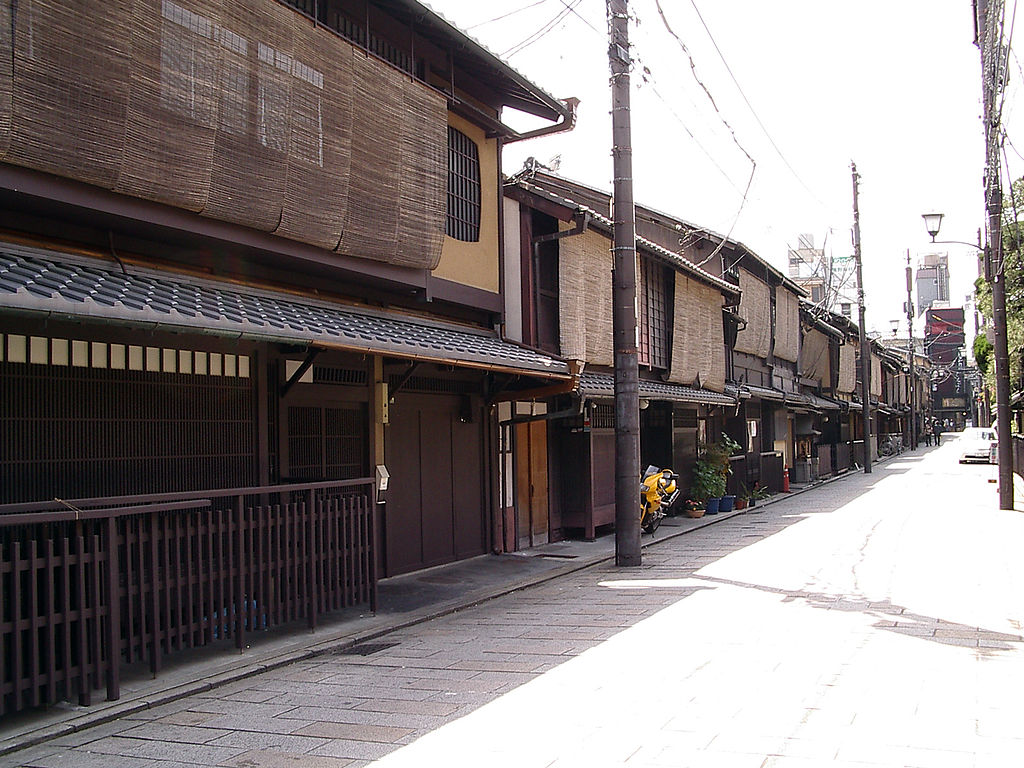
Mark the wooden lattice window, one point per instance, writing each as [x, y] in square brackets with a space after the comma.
[327, 442]
[463, 187]
[86, 418]
[655, 318]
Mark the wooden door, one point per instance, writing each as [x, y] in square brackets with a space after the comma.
[435, 503]
[532, 483]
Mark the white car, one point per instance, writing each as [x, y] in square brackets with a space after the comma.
[977, 444]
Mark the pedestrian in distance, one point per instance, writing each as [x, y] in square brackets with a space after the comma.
[928, 435]
[938, 432]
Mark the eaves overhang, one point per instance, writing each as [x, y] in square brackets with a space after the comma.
[61, 286]
[601, 386]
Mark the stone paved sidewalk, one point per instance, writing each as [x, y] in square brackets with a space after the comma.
[875, 621]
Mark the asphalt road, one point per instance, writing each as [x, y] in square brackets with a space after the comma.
[876, 621]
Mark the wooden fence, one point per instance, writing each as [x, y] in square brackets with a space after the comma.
[90, 584]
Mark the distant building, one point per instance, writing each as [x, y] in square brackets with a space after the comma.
[932, 280]
[944, 345]
[830, 280]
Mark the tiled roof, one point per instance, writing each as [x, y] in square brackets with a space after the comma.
[70, 286]
[822, 404]
[685, 264]
[603, 385]
[765, 393]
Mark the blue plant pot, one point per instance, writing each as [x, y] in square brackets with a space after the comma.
[711, 506]
[726, 504]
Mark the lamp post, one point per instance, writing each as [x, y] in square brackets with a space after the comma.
[994, 274]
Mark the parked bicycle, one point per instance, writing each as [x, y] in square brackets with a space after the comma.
[891, 445]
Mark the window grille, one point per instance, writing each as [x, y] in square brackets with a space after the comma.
[603, 417]
[463, 187]
[654, 315]
[327, 443]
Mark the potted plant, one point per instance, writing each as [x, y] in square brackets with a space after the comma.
[742, 497]
[708, 484]
[711, 472]
[758, 493]
[692, 508]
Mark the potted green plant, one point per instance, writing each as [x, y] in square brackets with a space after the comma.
[711, 472]
[708, 484]
[758, 493]
[742, 497]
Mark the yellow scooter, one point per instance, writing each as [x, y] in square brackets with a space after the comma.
[659, 489]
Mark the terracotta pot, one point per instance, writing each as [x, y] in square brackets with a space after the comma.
[741, 503]
[698, 512]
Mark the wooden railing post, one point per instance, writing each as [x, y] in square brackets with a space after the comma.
[311, 588]
[236, 569]
[113, 638]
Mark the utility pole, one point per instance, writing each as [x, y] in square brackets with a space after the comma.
[990, 14]
[624, 328]
[865, 349]
[911, 378]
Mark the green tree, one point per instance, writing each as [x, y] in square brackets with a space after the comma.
[1013, 269]
[982, 353]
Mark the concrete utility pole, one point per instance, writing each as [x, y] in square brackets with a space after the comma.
[624, 329]
[865, 349]
[911, 378]
[993, 60]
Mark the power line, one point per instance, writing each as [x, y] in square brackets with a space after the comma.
[753, 163]
[506, 15]
[542, 32]
[751, 107]
[582, 18]
[647, 76]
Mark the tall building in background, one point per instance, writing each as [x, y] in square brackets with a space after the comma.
[830, 280]
[944, 345]
[932, 280]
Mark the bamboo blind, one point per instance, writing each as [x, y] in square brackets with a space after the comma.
[243, 112]
[787, 324]
[814, 357]
[698, 342]
[876, 375]
[585, 290]
[847, 367]
[755, 307]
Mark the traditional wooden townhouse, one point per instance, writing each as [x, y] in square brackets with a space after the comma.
[250, 280]
[819, 432]
[893, 407]
[762, 349]
[558, 477]
[773, 421]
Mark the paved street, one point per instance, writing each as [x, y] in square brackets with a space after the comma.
[875, 621]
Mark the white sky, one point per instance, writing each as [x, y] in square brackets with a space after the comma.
[893, 85]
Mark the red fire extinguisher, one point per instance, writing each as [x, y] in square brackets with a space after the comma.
[785, 479]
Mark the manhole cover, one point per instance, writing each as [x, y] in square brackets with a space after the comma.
[364, 649]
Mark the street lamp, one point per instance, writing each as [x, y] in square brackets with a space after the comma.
[997, 279]
[932, 222]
